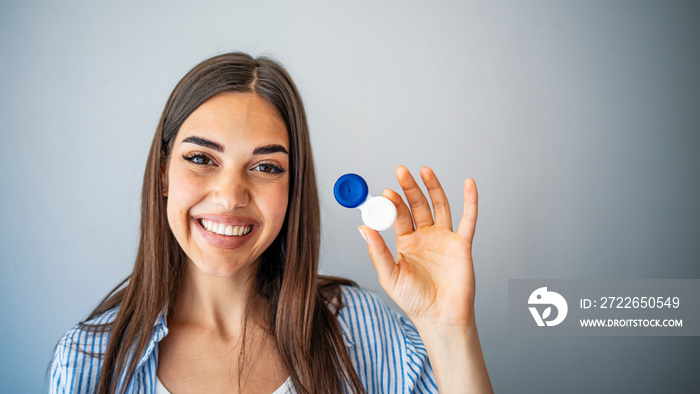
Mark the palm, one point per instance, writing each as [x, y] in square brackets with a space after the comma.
[433, 277]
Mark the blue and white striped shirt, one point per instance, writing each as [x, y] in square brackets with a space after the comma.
[384, 348]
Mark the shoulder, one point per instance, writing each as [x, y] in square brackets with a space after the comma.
[365, 316]
[91, 335]
[365, 308]
[384, 346]
[77, 357]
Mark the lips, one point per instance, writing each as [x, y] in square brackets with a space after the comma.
[222, 231]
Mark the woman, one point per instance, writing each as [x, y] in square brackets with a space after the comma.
[225, 296]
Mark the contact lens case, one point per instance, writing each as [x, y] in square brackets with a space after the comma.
[351, 191]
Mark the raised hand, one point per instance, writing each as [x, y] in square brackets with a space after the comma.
[432, 278]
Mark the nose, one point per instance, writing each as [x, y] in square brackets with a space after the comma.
[231, 191]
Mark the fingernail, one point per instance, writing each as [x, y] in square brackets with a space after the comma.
[362, 233]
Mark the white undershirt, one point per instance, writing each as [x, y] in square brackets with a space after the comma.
[286, 388]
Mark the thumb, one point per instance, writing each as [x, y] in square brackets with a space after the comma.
[381, 257]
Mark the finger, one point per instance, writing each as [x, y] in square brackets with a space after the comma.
[471, 203]
[381, 257]
[441, 207]
[420, 210]
[404, 222]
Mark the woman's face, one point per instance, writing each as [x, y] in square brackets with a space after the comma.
[228, 182]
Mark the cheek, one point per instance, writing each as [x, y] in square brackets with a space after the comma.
[276, 204]
[182, 193]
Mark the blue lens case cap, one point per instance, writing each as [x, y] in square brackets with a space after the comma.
[350, 190]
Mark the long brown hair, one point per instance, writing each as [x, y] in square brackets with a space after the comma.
[301, 306]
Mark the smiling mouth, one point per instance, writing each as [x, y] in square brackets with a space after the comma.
[225, 230]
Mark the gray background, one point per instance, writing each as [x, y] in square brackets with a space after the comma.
[579, 120]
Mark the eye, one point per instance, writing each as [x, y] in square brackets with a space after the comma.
[269, 168]
[198, 158]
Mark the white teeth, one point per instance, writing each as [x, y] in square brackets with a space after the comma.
[222, 229]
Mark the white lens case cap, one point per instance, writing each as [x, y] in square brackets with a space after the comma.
[378, 213]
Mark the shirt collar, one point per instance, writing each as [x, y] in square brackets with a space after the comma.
[345, 330]
[160, 330]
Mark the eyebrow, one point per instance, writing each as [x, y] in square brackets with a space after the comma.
[204, 142]
[261, 150]
[267, 149]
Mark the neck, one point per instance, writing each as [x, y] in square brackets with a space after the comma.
[216, 304]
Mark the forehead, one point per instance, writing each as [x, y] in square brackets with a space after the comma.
[236, 117]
